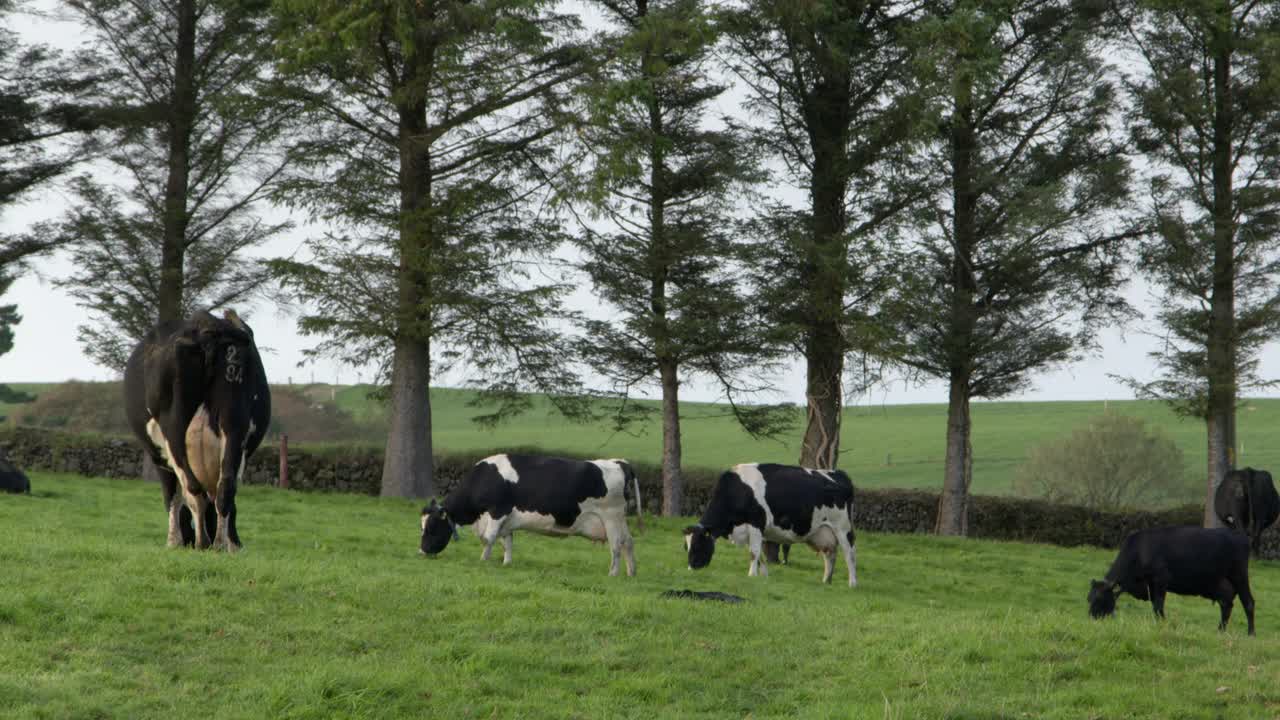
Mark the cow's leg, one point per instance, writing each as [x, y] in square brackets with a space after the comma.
[850, 556]
[489, 534]
[180, 532]
[616, 536]
[786, 553]
[629, 547]
[225, 502]
[506, 549]
[177, 538]
[755, 542]
[1226, 600]
[198, 503]
[1156, 589]
[828, 564]
[1246, 599]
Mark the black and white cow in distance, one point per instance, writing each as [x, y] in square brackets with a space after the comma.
[1209, 562]
[783, 504]
[196, 397]
[1247, 501]
[547, 495]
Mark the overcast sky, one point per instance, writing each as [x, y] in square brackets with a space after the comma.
[46, 349]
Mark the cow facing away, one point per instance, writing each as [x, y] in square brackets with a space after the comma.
[547, 495]
[1247, 501]
[783, 504]
[1209, 562]
[197, 400]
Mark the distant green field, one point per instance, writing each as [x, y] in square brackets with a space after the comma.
[884, 446]
[329, 612]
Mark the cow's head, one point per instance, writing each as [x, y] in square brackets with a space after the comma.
[1102, 598]
[437, 529]
[701, 545]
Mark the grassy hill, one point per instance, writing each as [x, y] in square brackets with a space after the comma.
[330, 613]
[885, 446]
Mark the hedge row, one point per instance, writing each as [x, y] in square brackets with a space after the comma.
[359, 470]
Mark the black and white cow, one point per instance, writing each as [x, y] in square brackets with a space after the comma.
[1208, 562]
[197, 399]
[13, 480]
[1247, 501]
[547, 495]
[781, 503]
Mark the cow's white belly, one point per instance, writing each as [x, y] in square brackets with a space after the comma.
[587, 524]
[826, 522]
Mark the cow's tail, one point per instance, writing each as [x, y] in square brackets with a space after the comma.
[1254, 532]
[639, 504]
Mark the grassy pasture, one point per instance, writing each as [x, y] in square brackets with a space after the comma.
[910, 436]
[330, 613]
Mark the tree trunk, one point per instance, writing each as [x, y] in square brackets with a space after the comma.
[672, 480]
[824, 278]
[825, 396]
[1220, 355]
[181, 117]
[953, 506]
[660, 261]
[407, 470]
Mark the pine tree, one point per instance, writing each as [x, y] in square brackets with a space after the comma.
[663, 184]
[47, 115]
[1206, 113]
[432, 131]
[1019, 255]
[825, 81]
[167, 232]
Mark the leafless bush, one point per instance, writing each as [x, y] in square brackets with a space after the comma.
[1114, 462]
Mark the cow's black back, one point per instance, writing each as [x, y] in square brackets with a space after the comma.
[792, 493]
[13, 480]
[548, 485]
[1247, 501]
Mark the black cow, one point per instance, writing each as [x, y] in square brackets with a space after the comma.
[1210, 562]
[197, 399]
[783, 504]
[13, 480]
[547, 495]
[1247, 501]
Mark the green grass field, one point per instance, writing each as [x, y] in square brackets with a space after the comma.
[910, 437]
[330, 613]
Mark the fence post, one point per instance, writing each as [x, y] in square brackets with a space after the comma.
[284, 462]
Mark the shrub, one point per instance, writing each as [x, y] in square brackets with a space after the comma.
[1114, 462]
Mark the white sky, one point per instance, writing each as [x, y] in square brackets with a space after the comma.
[46, 349]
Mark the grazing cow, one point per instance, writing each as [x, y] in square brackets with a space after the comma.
[197, 399]
[781, 503]
[13, 480]
[547, 495]
[1210, 562]
[1247, 501]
